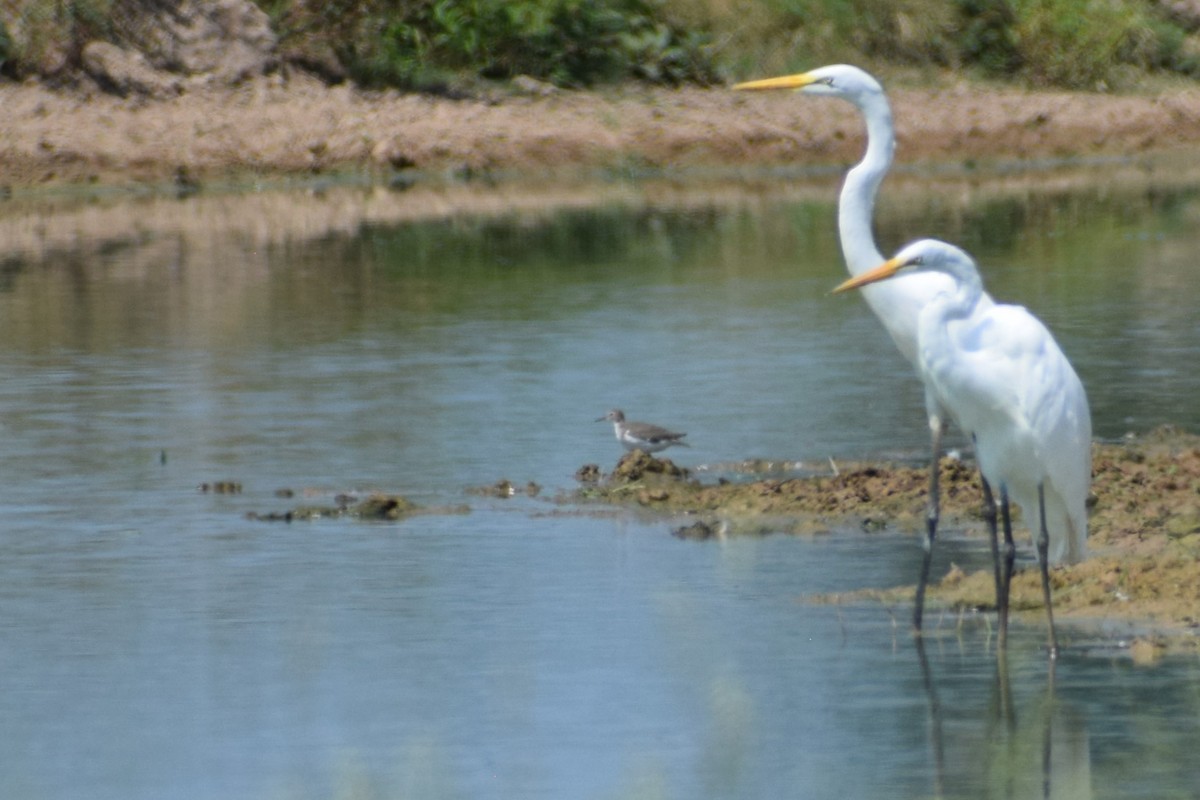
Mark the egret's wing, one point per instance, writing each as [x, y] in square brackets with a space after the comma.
[1012, 364]
[1010, 356]
[984, 373]
[1056, 407]
[1055, 403]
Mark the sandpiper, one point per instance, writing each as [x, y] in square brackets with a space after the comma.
[641, 435]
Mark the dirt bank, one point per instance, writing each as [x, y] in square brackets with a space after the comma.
[275, 126]
[1144, 525]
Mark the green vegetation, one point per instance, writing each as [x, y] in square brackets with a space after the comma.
[425, 43]
[1078, 44]
[40, 38]
[449, 44]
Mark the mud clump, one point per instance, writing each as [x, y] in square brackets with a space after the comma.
[380, 506]
[387, 507]
[699, 531]
[641, 478]
[588, 474]
[637, 465]
[220, 487]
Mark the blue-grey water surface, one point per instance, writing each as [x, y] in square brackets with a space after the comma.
[155, 642]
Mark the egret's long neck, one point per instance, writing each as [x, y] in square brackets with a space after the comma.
[857, 204]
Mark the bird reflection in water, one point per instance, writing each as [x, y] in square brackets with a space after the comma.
[1035, 748]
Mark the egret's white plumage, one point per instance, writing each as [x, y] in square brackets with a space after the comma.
[1001, 352]
[897, 303]
[1006, 381]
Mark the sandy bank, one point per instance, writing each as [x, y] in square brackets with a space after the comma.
[274, 127]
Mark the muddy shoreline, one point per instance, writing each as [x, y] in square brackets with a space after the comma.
[276, 160]
[1143, 570]
[274, 127]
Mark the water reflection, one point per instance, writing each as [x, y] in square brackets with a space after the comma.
[696, 317]
[1039, 750]
[154, 642]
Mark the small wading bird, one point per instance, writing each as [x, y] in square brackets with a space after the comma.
[898, 302]
[641, 435]
[1007, 383]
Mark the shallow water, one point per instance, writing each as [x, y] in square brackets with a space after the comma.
[157, 643]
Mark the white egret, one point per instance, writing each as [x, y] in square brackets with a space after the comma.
[1006, 381]
[641, 435]
[897, 303]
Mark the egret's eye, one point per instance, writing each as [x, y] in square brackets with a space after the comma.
[916, 261]
[826, 81]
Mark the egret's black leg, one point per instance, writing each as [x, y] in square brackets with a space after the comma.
[931, 521]
[1009, 555]
[936, 740]
[1048, 733]
[989, 516]
[1043, 550]
[1004, 704]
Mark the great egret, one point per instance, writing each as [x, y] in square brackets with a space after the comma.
[641, 435]
[897, 303]
[1002, 375]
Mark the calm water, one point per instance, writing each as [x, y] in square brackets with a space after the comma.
[156, 643]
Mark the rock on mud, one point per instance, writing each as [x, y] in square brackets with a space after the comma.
[127, 72]
[171, 44]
